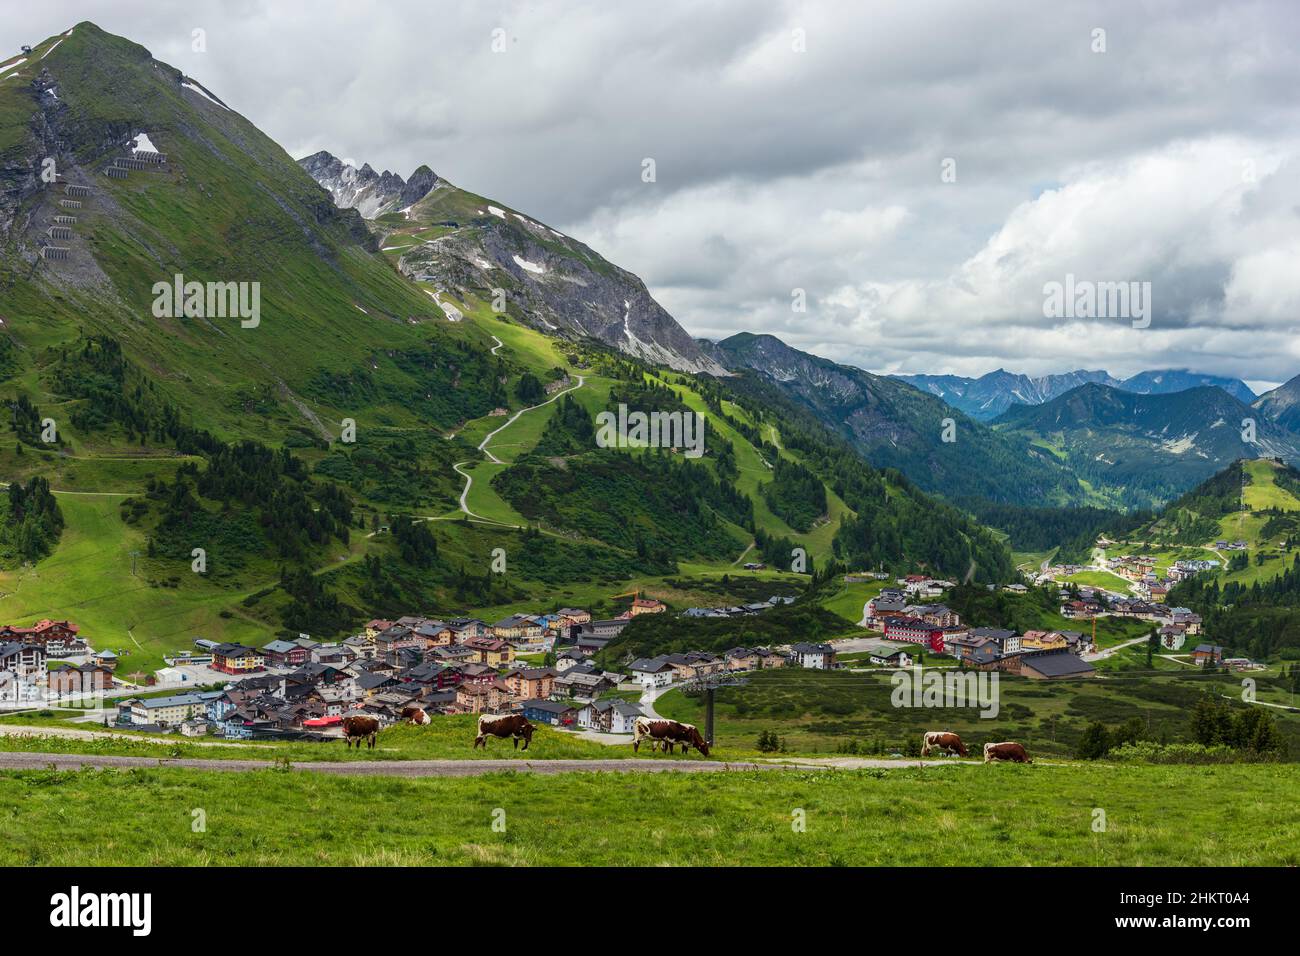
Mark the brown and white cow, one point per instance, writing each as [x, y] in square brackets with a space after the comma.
[668, 732]
[511, 725]
[360, 727]
[1009, 750]
[416, 715]
[942, 741]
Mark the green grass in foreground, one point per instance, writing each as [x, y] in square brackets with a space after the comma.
[956, 815]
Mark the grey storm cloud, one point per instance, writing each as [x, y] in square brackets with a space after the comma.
[799, 145]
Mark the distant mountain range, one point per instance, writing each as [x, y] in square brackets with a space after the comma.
[1135, 443]
[987, 397]
[896, 426]
[1147, 448]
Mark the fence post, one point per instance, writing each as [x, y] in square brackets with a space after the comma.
[708, 714]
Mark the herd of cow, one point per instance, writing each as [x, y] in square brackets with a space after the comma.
[949, 743]
[665, 734]
[660, 733]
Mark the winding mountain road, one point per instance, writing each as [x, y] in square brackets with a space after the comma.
[483, 445]
[458, 467]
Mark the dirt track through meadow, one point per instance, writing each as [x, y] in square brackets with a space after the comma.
[433, 768]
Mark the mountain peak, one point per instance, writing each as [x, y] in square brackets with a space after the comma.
[370, 193]
[458, 242]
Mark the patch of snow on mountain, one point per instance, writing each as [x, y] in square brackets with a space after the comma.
[529, 266]
[654, 352]
[13, 66]
[497, 211]
[52, 49]
[191, 85]
[142, 144]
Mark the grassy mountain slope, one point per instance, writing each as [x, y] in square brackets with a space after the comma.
[1251, 605]
[1253, 500]
[338, 330]
[890, 522]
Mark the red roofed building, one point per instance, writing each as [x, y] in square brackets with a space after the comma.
[913, 630]
[43, 633]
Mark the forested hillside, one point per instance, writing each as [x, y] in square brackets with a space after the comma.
[894, 524]
[1260, 621]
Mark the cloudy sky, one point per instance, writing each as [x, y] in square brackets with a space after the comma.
[920, 169]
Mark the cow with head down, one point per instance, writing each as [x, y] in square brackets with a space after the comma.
[360, 727]
[416, 716]
[942, 741]
[1008, 750]
[509, 725]
[667, 733]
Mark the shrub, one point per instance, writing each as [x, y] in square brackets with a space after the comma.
[1095, 742]
[1148, 751]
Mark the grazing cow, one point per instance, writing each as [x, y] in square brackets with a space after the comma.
[1006, 751]
[360, 727]
[942, 741]
[511, 725]
[668, 732]
[416, 715]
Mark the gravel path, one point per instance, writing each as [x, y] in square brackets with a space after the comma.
[386, 768]
[72, 733]
[447, 768]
